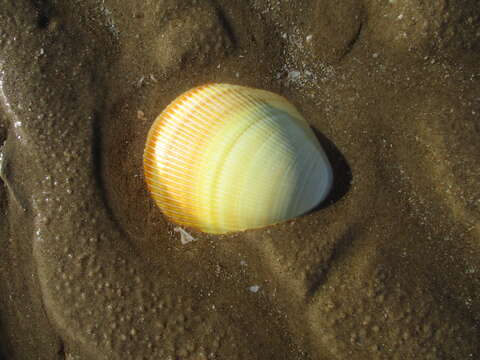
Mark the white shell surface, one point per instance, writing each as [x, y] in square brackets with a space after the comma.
[224, 158]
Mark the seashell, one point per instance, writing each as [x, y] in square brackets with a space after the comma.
[224, 158]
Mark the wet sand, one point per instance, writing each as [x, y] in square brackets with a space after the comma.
[387, 268]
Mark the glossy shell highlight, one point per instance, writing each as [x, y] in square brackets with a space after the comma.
[224, 158]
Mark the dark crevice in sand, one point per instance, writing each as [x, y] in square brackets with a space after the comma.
[353, 41]
[97, 164]
[341, 247]
[3, 131]
[3, 346]
[4, 231]
[61, 351]
[226, 25]
[3, 138]
[44, 10]
[3, 182]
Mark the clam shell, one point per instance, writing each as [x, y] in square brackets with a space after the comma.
[224, 158]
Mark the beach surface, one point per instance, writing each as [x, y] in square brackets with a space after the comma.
[388, 267]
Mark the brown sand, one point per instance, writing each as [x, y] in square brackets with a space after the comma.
[387, 268]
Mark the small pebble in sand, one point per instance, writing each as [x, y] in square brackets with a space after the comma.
[254, 288]
[185, 237]
[293, 75]
[140, 82]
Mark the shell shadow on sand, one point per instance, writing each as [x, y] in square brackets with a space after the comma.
[342, 174]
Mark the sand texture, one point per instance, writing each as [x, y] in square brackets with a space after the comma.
[387, 268]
